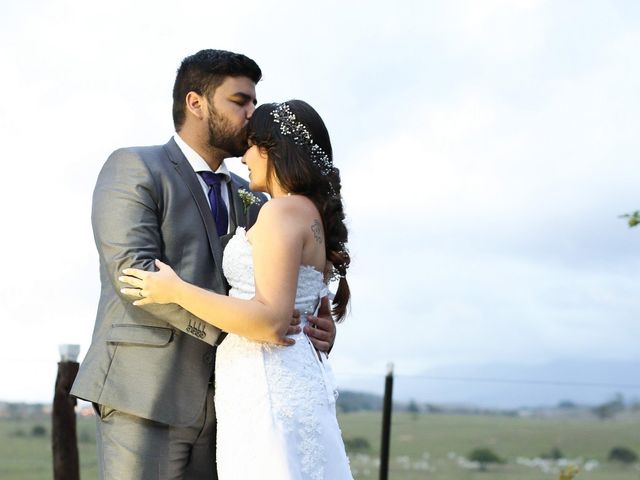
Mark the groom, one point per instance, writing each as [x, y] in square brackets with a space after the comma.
[149, 370]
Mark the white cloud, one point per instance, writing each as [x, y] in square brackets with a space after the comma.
[486, 149]
[496, 30]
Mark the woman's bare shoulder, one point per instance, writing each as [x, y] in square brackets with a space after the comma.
[289, 208]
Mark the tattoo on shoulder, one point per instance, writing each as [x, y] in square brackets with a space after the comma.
[316, 228]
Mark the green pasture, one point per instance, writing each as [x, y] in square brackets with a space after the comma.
[24, 456]
[428, 446]
[423, 446]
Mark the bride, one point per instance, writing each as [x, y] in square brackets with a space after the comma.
[275, 404]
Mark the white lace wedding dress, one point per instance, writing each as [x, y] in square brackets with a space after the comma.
[275, 405]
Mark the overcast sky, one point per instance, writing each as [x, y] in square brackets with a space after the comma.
[487, 149]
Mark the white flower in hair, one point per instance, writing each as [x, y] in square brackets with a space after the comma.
[291, 127]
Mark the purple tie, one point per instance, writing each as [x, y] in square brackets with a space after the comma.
[218, 208]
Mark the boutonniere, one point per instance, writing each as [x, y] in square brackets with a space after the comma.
[248, 199]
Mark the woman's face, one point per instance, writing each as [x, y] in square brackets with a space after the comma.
[256, 160]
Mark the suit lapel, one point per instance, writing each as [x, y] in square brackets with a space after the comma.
[236, 205]
[246, 216]
[237, 217]
[189, 177]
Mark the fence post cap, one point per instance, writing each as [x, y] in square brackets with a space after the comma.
[69, 352]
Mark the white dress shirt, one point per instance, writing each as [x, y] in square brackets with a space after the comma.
[199, 165]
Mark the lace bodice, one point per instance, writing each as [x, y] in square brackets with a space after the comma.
[238, 268]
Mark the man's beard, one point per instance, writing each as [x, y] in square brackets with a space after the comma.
[223, 137]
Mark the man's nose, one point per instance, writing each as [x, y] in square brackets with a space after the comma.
[250, 109]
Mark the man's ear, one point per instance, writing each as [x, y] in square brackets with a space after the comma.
[196, 104]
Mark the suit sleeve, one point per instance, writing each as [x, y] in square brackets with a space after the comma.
[126, 212]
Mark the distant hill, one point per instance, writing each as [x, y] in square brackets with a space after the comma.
[580, 382]
[475, 388]
[349, 401]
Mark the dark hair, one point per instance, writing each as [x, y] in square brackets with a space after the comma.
[297, 173]
[204, 71]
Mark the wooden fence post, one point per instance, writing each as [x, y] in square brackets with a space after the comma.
[386, 424]
[66, 465]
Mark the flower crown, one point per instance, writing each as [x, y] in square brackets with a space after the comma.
[291, 127]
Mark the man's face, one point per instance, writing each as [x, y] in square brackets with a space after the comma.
[230, 109]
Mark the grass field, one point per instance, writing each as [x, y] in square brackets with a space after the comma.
[430, 446]
[422, 447]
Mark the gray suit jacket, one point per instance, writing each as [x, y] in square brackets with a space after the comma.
[154, 361]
